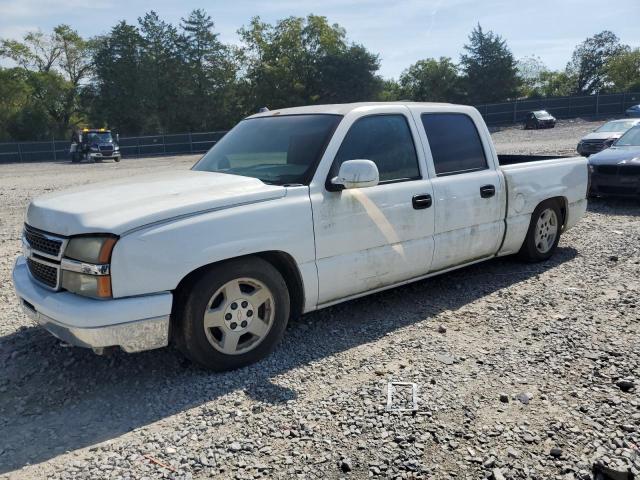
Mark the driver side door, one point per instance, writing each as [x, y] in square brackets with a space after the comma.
[370, 238]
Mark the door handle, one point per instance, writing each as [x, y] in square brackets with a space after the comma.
[487, 191]
[421, 201]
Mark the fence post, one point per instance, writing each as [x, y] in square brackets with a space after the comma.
[624, 101]
[164, 146]
[515, 110]
[598, 103]
[190, 143]
[53, 144]
[20, 152]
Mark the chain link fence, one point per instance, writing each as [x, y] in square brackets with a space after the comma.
[559, 107]
[145, 146]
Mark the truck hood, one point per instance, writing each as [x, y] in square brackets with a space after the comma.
[615, 155]
[118, 206]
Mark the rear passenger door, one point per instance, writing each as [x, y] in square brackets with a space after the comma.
[469, 194]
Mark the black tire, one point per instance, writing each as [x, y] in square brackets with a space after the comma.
[196, 296]
[529, 251]
[117, 159]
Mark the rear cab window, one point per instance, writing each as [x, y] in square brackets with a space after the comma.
[386, 140]
[456, 146]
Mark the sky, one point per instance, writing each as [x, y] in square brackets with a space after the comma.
[401, 32]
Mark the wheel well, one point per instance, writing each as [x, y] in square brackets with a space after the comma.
[563, 205]
[282, 261]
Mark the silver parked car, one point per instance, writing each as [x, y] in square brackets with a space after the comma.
[604, 136]
[633, 111]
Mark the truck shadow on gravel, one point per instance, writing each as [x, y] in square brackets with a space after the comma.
[55, 399]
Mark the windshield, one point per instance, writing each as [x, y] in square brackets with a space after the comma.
[631, 138]
[102, 137]
[541, 114]
[279, 150]
[617, 126]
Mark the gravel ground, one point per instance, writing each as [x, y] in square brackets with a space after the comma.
[523, 370]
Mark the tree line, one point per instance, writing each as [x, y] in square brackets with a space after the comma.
[156, 77]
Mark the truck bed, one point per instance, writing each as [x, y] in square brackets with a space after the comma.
[532, 179]
[510, 159]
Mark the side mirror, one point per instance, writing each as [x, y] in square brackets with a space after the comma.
[357, 174]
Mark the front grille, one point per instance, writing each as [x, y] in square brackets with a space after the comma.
[42, 242]
[630, 170]
[608, 169]
[617, 190]
[43, 273]
[106, 149]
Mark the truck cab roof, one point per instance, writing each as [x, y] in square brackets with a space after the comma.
[342, 108]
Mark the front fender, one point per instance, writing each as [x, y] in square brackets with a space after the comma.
[158, 257]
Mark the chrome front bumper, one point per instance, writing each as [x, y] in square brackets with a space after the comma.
[132, 337]
[134, 324]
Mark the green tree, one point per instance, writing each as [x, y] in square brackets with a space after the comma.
[589, 60]
[348, 75]
[301, 61]
[15, 94]
[556, 84]
[623, 71]
[530, 71]
[164, 74]
[431, 80]
[390, 91]
[37, 51]
[211, 74]
[489, 68]
[57, 64]
[118, 96]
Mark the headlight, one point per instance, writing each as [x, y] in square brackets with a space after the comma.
[85, 266]
[90, 249]
[116, 148]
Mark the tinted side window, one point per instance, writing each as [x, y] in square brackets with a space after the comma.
[384, 139]
[455, 143]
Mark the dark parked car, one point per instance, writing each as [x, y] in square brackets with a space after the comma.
[633, 111]
[539, 119]
[604, 136]
[616, 170]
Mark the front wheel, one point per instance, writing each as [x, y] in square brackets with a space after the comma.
[543, 234]
[234, 314]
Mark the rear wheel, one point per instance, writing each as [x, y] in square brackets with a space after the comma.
[544, 232]
[233, 315]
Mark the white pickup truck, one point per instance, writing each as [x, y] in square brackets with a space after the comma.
[292, 211]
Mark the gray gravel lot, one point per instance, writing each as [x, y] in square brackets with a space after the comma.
[524, 370]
